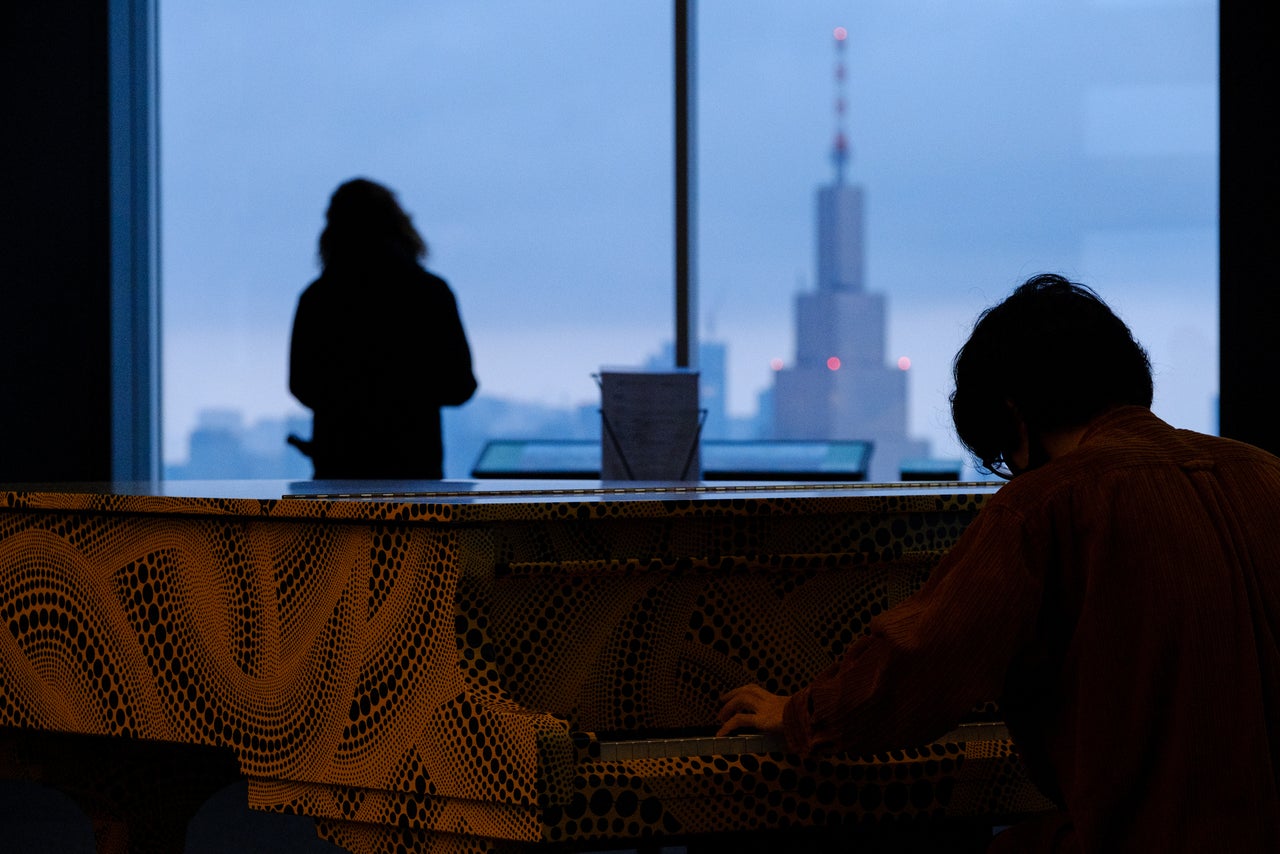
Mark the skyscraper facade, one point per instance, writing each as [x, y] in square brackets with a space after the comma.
[838, 386]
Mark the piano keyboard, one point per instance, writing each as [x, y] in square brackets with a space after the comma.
[710, 745]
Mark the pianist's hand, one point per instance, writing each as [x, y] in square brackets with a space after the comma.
[751, 707]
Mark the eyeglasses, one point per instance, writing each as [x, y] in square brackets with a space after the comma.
[1001, 468]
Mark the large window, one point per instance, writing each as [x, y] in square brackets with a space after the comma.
[533, 145]
[991, 141]
[531, 142]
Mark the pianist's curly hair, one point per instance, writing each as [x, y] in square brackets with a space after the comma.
[365, 221]
[1055, 352]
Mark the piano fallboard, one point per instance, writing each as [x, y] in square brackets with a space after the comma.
[414, 664]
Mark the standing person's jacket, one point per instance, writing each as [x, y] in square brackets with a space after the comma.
[377, 349]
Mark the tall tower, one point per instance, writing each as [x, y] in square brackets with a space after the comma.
[839, 386]
[840, 205]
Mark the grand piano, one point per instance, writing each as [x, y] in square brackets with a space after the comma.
[467, 666]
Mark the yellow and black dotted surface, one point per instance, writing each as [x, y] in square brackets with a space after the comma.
[436, 670]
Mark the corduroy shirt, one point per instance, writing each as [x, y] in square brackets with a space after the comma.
[1122, 602]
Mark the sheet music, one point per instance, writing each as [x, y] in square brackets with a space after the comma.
[650, 425]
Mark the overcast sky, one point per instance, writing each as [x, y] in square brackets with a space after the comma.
[532, 142]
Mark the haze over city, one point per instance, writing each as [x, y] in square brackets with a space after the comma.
[533, 145]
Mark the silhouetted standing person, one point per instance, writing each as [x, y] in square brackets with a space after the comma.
[377, 346]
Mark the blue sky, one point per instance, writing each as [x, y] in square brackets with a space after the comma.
[532, 143]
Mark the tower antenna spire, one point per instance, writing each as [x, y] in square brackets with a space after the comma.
[840, 146]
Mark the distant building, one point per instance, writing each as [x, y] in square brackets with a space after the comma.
[712, 380]
[839, 386]
[468, 427]
[221, 446]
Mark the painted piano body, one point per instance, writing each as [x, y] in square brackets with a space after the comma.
[446, 668]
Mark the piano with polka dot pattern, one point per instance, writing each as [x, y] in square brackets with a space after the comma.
[458, 666]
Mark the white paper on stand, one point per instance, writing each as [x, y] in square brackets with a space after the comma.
[650, 424]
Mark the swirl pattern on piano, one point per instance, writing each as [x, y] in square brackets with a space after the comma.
[414, 673]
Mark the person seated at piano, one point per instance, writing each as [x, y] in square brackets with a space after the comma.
[1120, 596]
[377, 345]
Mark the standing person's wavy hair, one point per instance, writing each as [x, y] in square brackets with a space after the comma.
[1053, 354]
[365, 220]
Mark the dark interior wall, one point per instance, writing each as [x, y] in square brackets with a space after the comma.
[55, 395]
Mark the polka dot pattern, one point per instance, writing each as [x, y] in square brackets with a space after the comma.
[424, 676]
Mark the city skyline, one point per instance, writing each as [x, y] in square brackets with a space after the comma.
[839, 384]
[539, 173]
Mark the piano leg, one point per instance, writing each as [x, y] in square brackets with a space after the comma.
[139, 795]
